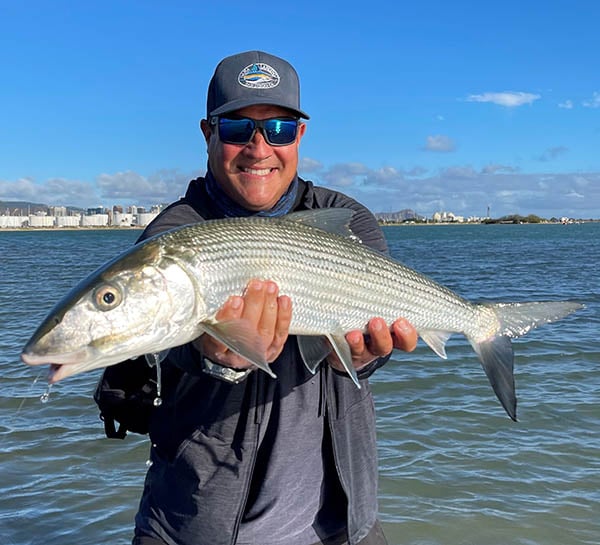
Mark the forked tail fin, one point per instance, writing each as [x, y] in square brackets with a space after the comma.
[497, 359]
[496, 353]
[516, 319]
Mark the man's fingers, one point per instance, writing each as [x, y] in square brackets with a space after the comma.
[282, 326]
[405, 335]
[254, 301]
[268, 314]
[231, 310]
[381, 342]
[263, 308]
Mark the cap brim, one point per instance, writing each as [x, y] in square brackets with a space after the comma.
[234, 105]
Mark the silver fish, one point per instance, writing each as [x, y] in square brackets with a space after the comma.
[166, 291]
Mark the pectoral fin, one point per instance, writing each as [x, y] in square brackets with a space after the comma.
[240, 337]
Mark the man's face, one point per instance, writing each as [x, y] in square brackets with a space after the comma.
[254, 175]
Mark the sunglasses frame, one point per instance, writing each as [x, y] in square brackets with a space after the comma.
[258, 124]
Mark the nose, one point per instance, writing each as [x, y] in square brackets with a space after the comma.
[258, 145]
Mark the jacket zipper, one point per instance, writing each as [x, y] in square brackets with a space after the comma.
[258, 415]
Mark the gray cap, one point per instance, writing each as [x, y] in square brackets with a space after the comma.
[250, 78]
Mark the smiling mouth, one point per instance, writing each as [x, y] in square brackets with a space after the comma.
[257, 171]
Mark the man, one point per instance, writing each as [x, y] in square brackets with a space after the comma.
[239, 457]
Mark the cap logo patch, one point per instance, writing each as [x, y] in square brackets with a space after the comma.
[259, 76]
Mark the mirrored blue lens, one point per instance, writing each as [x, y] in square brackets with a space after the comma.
[280, 132]
[277, 131]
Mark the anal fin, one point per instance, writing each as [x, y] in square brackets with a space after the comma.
[436, 340]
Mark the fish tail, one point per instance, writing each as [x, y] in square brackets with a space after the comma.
[496, 352]
[497, 359]
[516, 319]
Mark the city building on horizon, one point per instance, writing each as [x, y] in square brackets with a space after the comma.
[61, 217]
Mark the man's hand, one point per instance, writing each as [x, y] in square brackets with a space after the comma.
[379, 341]
[265, 310]
[270, 314]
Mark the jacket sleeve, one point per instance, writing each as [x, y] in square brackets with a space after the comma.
[187, 358]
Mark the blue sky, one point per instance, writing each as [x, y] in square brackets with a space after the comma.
[438, 106]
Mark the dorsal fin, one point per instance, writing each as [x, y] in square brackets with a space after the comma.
[332, 220]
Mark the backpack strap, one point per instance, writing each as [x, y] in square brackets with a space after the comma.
[109, 427]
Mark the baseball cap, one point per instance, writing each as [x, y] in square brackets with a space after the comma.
[253, 77]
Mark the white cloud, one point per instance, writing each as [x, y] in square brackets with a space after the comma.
[21, 189]
[509, 99]
[582, 182]
[552, 153]
[459, 172]
[462, 189]
[574, 195]
[130, 186]
[465, 190]
[495, 168]
[567, 105]
[58, 191]
[384, 177]
[120, 188]
[440, 143]
[346, 174]
[306, 164]
[416, 172]
[593, 102]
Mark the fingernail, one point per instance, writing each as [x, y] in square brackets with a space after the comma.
[271, 287]
[404, 325]
[355, 339]
[235, 303]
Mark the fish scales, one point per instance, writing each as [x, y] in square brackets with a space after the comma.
[329, 279]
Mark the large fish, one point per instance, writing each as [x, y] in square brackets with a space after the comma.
[166, 291]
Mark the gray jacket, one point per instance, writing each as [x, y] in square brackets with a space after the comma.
[205, 435]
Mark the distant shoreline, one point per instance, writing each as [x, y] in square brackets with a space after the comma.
[418, 224]
[79, 228]
[381, 224]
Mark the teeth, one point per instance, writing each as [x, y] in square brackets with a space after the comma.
[258, 171]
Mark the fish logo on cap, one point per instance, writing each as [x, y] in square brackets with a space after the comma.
[259, 76]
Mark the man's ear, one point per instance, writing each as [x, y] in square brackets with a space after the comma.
[206, 129]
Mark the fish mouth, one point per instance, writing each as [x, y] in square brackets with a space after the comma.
[58, 372]
[66, 358]
[61, 365]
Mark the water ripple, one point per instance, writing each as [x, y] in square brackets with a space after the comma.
[454, 469]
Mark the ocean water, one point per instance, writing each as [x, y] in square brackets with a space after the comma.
[454, 468]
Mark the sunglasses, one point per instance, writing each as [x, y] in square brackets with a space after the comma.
[278, 131]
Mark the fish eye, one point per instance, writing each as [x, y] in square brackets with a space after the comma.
[107, 297]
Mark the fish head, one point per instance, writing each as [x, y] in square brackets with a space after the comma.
[134, 305]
